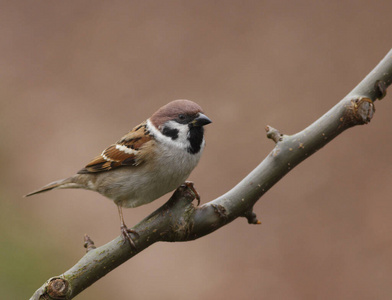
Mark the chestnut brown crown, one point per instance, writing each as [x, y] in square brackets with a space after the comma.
[173, 109]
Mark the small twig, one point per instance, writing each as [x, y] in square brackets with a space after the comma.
[273, 134]
[88, 243]
[251, 217]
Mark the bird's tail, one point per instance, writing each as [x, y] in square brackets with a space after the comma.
[67, 183]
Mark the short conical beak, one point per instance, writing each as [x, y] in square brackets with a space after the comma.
[201, 120]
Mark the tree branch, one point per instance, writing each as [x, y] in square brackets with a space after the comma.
[180, 220]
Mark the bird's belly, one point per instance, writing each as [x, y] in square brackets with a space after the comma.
[129, 188]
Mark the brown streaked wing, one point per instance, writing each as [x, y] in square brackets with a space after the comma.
[126, 152]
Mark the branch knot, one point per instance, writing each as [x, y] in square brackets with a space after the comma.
[381, 89]
[362, 110]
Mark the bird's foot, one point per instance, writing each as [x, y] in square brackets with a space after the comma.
[126, 235]
[190, 185]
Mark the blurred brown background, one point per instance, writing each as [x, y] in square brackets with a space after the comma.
[75, 76]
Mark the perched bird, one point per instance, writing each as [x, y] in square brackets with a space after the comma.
[151, 160]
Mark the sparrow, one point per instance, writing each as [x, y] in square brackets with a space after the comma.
[154, 158]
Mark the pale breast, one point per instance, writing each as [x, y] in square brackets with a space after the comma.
[135, 186]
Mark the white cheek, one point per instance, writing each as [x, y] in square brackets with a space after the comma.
[180, 142]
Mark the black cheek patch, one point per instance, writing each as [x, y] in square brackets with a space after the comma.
[170, 132]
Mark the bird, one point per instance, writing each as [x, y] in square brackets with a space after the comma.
[151, 160]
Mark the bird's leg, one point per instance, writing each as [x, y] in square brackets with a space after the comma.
[190, 185]
[125, 231]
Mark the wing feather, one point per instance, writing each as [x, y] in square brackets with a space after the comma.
[130, 150]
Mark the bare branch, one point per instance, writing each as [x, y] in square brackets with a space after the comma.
[180, 220]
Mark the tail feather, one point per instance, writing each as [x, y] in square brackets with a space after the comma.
[59, 184]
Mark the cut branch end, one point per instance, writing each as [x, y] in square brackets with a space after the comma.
[57, 288]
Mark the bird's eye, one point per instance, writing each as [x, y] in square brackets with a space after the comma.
[181, 117]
